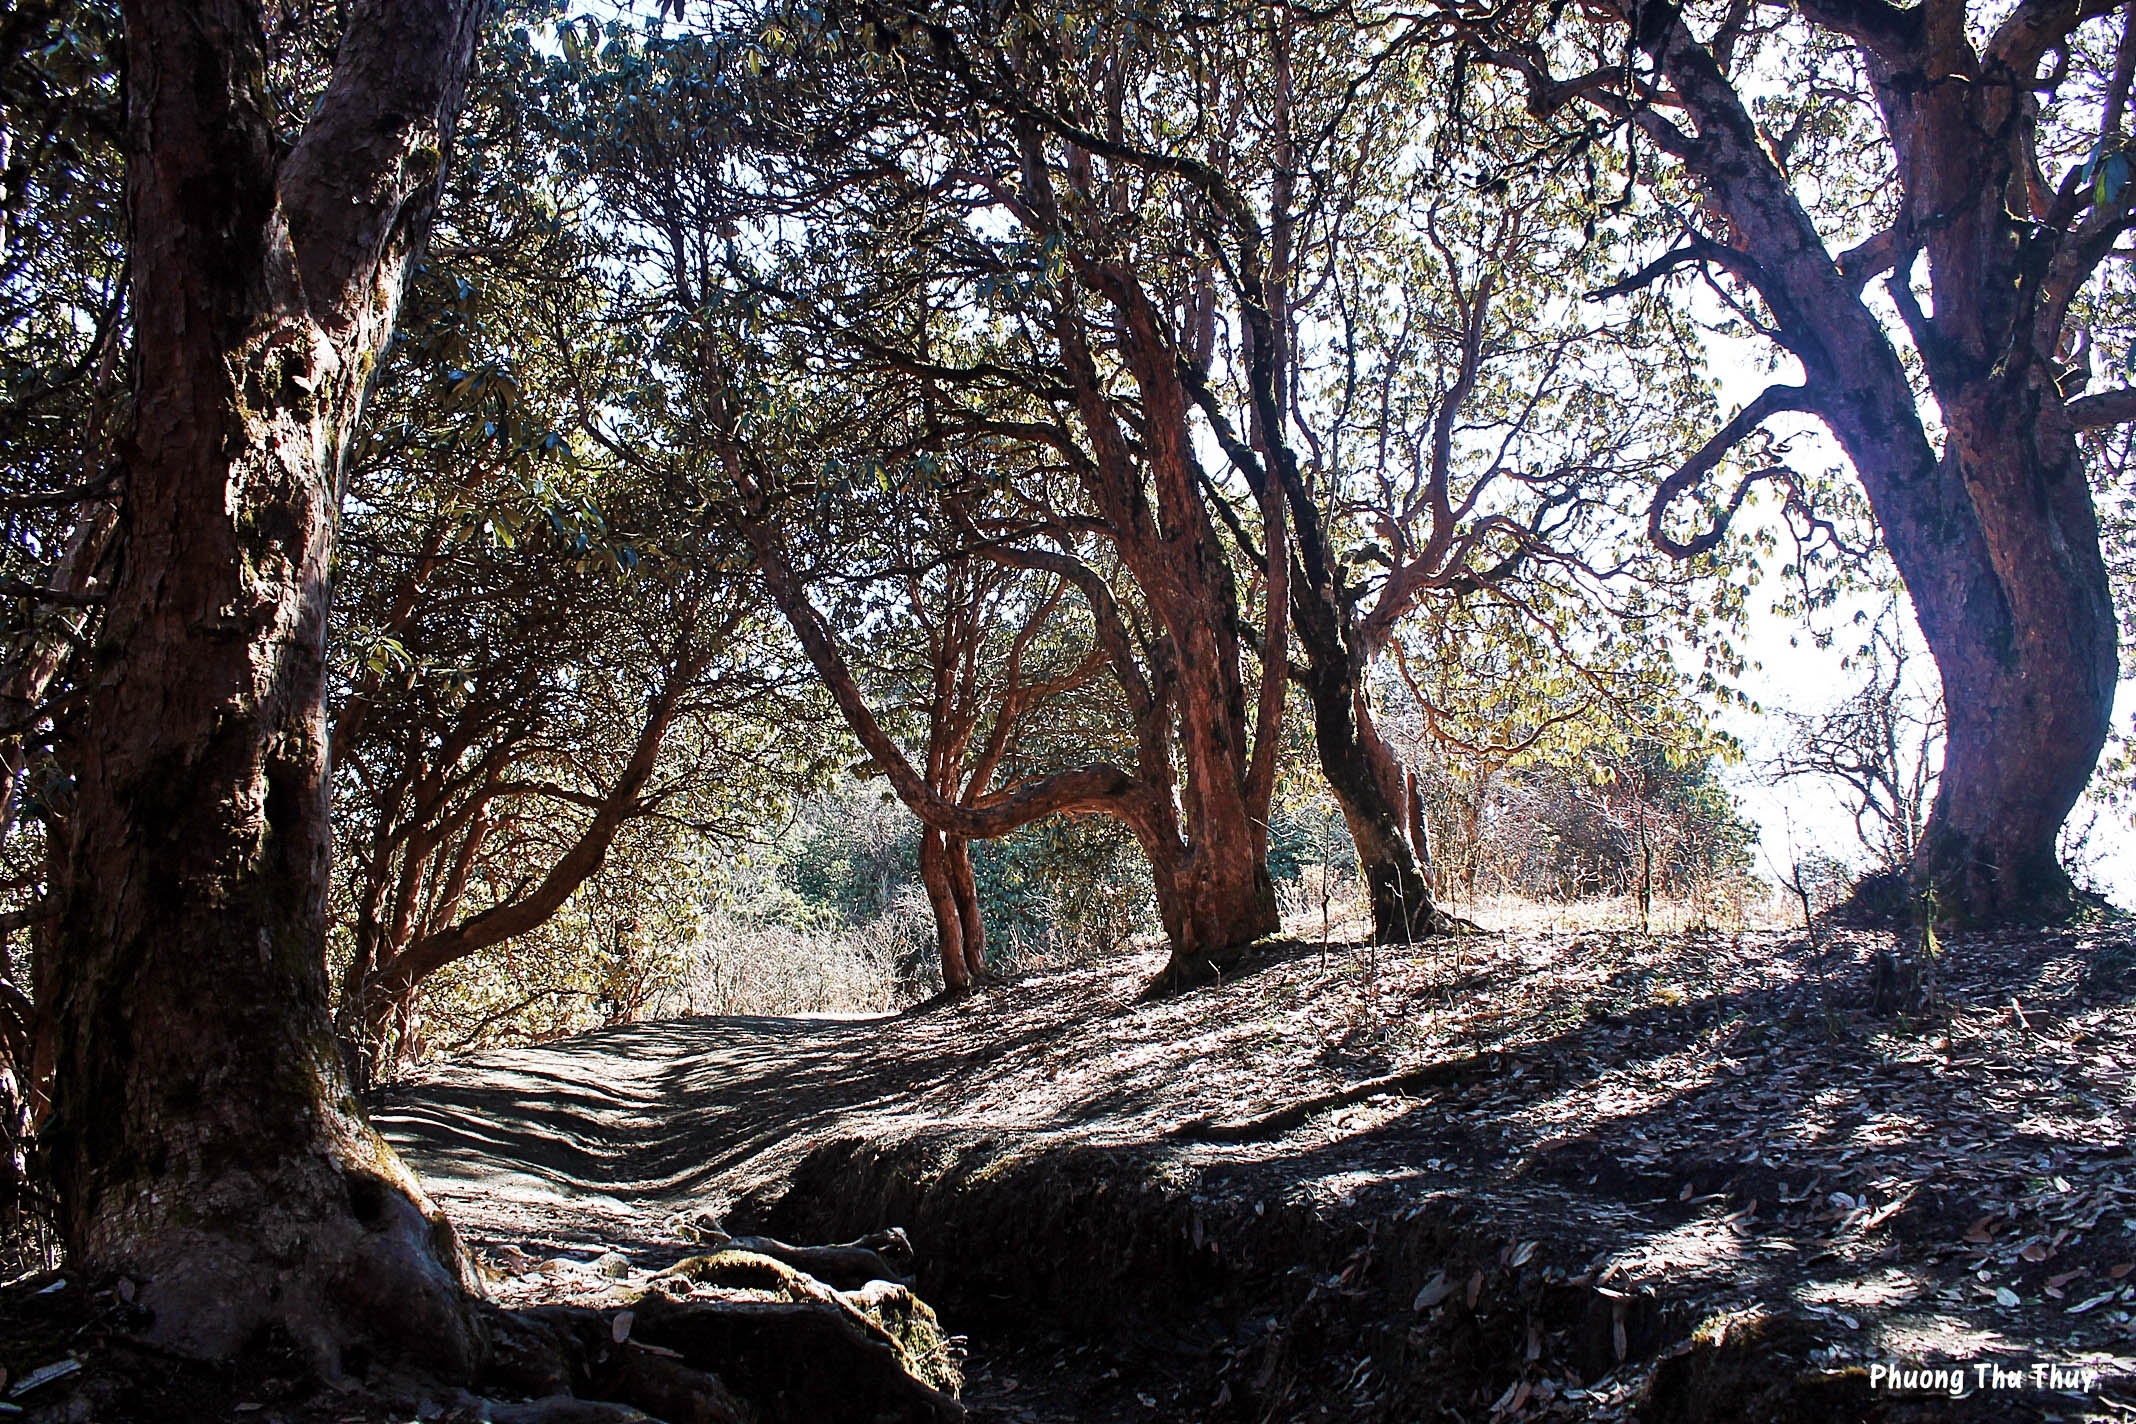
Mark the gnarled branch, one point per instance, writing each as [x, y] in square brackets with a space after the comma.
[1770, 402]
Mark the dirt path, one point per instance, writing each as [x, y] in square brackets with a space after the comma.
[1517, 1178]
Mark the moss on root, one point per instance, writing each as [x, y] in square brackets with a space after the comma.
[885, 1312]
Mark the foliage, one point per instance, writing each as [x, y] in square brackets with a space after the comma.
[556, 700]
[1064, 890]
[812, 229]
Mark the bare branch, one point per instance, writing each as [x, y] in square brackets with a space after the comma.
[2103, 408]
[1770, 402]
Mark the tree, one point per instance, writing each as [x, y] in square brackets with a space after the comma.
[203, 1137]
[810, 366]
[1451, 396]
[1928, 131]
[975, 685]
[530, 728]
[537, 658]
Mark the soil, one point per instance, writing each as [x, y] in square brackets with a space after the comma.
[1546, 1176]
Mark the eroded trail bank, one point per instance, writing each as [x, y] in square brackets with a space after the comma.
[1550, 1176]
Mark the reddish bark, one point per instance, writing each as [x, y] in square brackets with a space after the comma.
[960, 933]
[203, 1137]
[964, 892]
[967, 697]
[1214, 895]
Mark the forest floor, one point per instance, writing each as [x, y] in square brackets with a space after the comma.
[1501, 1177]
[1680, 1179]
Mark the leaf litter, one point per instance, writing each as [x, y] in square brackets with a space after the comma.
[1675, 1120]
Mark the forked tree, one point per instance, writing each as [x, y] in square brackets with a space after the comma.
[1438, 388]
[203, 1138]
[977, 623]
[1997, 187]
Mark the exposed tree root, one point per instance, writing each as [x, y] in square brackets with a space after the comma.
[1192, 971]
[878, 1256]
[730, 1337]
[737, 1337]
[1184, 972]
[1275, 1124]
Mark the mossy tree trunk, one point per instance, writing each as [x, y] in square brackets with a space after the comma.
[204, 1139]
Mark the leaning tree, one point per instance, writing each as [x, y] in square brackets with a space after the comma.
[540, 682]
[1913, 207]
[1451, 427]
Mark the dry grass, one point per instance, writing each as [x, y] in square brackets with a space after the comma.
[1723, 908]
[742, 968]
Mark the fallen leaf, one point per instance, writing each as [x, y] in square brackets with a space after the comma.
[2083, 1305]
[2117, 1272]
[1436, 1289]
[1981, 1232]
[2035, 1252]
[1475, 1289]
[45, 1374]
[2005, 1297]
[1522, 1255]
[621, 1329]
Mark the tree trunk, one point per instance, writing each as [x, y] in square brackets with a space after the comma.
[1360, 770]
[392, 965]
[2021, 621]
[942, 897]
[1212, 906]
[964, 886]
[1419, 825]
[204, 1140]
[1995, 536]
